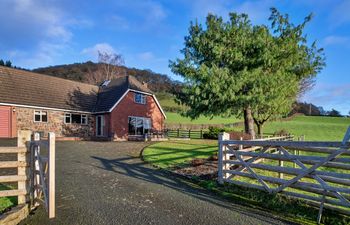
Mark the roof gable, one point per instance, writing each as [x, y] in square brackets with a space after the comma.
[108, 96]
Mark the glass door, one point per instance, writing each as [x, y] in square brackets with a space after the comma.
[99, 125]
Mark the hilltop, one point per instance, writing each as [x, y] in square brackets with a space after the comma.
[79, 71]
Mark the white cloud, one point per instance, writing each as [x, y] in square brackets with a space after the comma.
[35, 32]
[258, 11]
[118, 22]
[336, 40]
[146, 56]
[137, 15]
[340, 13]
[37, 14]
[330, 96]
[99, 47]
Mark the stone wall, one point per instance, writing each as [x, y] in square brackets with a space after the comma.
[55, 123]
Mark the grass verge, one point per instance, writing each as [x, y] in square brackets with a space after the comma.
[6, 202]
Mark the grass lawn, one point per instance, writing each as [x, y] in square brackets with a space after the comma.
[173, 153]
[177, 118]
[315, 128]
[6, 202]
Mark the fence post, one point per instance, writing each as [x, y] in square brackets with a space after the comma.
[51, 162]
[189, 133]
[201, 135]
[178, 132]
[280, 164]
[22, 141]
[240, 147]
[35, 163]
[222, 156]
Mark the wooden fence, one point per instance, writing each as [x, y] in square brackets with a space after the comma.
[35, 172]
[319, 174]
[193, 134]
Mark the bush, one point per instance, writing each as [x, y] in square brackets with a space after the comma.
[282, 132]
[213, 133]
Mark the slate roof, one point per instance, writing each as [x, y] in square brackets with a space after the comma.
[110, 94]
[32, 89]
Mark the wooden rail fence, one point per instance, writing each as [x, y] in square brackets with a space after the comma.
[35, 172]
[178, 133]
[317, 172]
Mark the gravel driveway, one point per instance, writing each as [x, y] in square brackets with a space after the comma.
[107, 183]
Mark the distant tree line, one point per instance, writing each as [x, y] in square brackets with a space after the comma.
[81, 72]
[310, 109]
[7, 63]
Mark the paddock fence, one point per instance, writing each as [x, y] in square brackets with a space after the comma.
[314, 171]
[191, 134]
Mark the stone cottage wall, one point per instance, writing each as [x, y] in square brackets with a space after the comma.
[55, 123]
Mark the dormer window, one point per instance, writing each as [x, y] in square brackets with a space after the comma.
[140, 98]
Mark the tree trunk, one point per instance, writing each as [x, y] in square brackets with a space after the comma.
[249, 122]
[260, 129]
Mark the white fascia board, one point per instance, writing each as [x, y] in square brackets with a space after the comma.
[154, 97]
[159, 106]
[46, 108]
[115, 105]
[141, 92]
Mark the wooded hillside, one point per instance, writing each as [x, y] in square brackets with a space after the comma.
[78, 72]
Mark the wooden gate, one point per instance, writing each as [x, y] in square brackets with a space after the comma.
[35, 171]
[43, 172]
[317, 172]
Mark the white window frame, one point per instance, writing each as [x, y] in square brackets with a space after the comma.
[41, 113]
[70, 118]
[86, 119]
[142, 98]
[81, 118]
[143, 124]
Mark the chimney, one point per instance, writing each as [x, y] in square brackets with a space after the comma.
[145, 84]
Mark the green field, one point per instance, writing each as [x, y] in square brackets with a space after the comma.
[170, 106]
[315, 128]
[176, 118]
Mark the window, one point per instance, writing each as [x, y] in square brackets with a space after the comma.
[40, 116]
[83, 119]
[139, 125]
[67, 118]
[75, 118]
[140, 98]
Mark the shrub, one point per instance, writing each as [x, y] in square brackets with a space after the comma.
[282, 132]
[213, 133]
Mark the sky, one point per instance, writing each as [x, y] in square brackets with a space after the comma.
[149, 33]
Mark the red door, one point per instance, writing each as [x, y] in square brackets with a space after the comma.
[5, 125]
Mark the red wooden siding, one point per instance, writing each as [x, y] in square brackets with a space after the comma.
[5, 122]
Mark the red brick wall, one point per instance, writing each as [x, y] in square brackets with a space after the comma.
[127, 107]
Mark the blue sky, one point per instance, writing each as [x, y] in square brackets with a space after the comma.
[148, 33]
